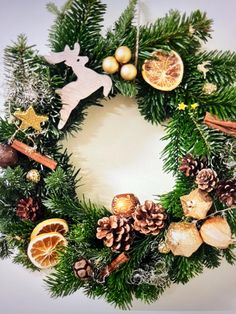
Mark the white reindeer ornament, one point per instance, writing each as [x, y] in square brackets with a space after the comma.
[88, 81]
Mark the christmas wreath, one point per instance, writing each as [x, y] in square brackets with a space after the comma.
[131, 250]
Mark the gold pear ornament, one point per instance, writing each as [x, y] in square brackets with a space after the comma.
[216, 232]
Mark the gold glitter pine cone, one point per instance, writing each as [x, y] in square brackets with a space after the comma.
[116, 232]
[149, 218]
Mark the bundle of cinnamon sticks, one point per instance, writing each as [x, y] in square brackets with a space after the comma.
[228, 127]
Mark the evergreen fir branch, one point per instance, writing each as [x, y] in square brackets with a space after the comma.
[5, 251]
[174, 148]
[13, 186]
[60, 182]
[52, 8]
[62, 281]
[185, 268]
[6, 131]
[77, 210]
[22, 258]
[123, 28]
[148, 293]
[171, 200]
[211, 257]
[231, 218]
[208, 142]
[221, 66]
[152, 104]
[126, 88]
[80, 22]
[221, 103]
[63, 207]
[229, 254]
[173, 30]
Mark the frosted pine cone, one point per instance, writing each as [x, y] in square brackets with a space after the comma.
[116, 233]
[191, 166]
[28, 209]
[226, 191]
[207, 180]
[149, 218]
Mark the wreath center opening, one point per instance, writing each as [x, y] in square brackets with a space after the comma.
[119, 152]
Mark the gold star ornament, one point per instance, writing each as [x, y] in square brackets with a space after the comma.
[30, 118]
[182, 106]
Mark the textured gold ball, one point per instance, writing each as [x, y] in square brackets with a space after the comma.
[183, 238]
[163, 248]
[123, 54]
[216, 232]
[110, 65]
[124, 204]
[128, 72]
[33, 176]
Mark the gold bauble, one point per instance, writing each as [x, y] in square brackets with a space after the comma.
[163, 248]
[110, 65]
[33, 176]
[216, 232]
[128, 72]
[124, 204]
[196, 204]
[183, 238]
[123, 54]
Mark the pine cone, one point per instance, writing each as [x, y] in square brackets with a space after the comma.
[207, 180]
[149, 218]
[116, 232]
[83, 269]
[28, 209]
[191, 166]
[226, 191]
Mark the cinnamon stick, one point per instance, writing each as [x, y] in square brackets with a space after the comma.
[228, 127]
[115, 264]
[27, 150]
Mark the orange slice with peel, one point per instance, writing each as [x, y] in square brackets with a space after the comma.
[50, 225]
[43, 249]
[164, 71]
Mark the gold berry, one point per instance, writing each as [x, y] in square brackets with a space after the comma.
[123, 54]
[33, 176]
[128, 72]
[110, 65]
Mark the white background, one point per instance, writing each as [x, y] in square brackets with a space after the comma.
[118, 152]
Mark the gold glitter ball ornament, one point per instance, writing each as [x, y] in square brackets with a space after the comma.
[216, 232]
[163, 248]
[183, 238]
[209, 88]
[123, 54]
[196, 204]
[33, 176]
[30, 118]
[110, 65]
[128, 72]
[124, 204]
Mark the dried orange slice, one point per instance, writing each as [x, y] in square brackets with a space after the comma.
[164, 71]
[43, 249]
[50, 225]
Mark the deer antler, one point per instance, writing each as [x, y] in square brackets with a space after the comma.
[58, 57]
